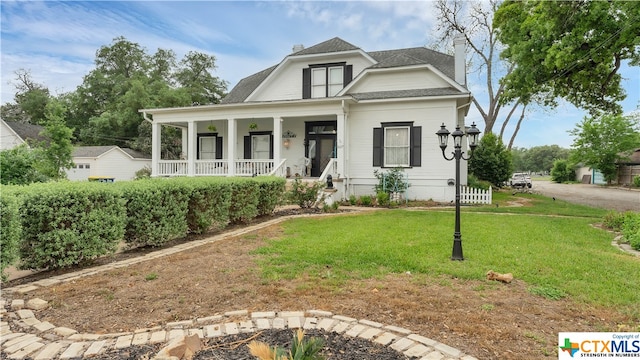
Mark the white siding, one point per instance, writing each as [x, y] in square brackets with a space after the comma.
[118, 165]
[286, 83]
[114, 163]
[8, 137]
[417, 78]
[428, 181]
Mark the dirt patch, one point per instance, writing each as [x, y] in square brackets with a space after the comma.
[488, 320]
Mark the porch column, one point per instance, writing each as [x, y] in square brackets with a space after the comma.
[184, 144]
[277, 139]
[232, 129]
[340, 143]
[155, 147]
[191, 143]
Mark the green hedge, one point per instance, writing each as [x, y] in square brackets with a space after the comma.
[156, 211]
[65, 224]
[631, 229]
[11, 226]
[245, 196]
[209, 202]
[272, 190]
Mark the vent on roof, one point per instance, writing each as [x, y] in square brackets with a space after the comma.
[298, 47]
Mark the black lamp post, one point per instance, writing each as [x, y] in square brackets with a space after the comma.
[443, 138]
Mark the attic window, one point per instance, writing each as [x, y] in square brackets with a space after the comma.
[325, 80]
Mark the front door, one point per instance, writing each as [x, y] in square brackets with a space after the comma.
[320, 145]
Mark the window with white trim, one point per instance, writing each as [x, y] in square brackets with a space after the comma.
[209, 146]
[206, 147]
[397, 144]
[325, 80]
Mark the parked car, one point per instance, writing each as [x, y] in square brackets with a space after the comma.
[520, 180]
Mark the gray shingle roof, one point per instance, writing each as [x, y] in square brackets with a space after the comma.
[96, 151]
[332, 45]
[385, 59]
[246, 86]
[394, 94]
[442, 62]
[28, 132]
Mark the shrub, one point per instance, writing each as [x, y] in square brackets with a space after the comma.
[67, 224]
[562, 171]
[144, 173]
[391, 181]
[491, 160]
[474, 182]
[244, 199]
[353, 200]
[304, 194]
[156, 211]
[11, 231]
[366, 200]
[631, 229]
[209, 202]
[383, 198]
[614, 220]
[636, 181]
[271, 193]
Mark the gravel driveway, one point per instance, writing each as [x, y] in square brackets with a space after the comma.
[592, 195]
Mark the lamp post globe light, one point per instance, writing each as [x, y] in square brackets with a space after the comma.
[443, 138]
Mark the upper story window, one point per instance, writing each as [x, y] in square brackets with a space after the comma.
[325, 80]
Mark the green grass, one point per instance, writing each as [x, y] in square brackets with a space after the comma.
[557, 255]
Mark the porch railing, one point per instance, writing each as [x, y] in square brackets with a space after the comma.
[215, 167]
[173, 168]
[212, 168]
[280, 170]
[331, 168]
[253, 167]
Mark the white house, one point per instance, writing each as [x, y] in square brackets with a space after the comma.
[331, 108]
[106, 161]
[14, 133]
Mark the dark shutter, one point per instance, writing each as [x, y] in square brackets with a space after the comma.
[348, 75]
[416, 146]
[271, 146]
[218, 147]
[377, 147]
[306, 83]
[247, 147]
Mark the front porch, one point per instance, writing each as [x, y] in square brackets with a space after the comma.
[309, 144]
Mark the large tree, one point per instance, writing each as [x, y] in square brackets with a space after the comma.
[473, 20]
[126, 79]
[30, 99]
[568, 49]
[601, 142]
[491, 161]
[56, 151]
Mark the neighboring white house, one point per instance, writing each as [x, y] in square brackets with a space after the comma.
[332, 108]
[14, 133]
[106, 161]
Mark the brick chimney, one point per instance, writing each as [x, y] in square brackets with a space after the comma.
[460, 68]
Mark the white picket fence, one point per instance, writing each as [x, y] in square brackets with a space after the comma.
[469, 195]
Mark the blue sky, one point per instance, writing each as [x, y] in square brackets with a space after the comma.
[57, 42]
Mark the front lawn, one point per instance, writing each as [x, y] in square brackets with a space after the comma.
[552, 254]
